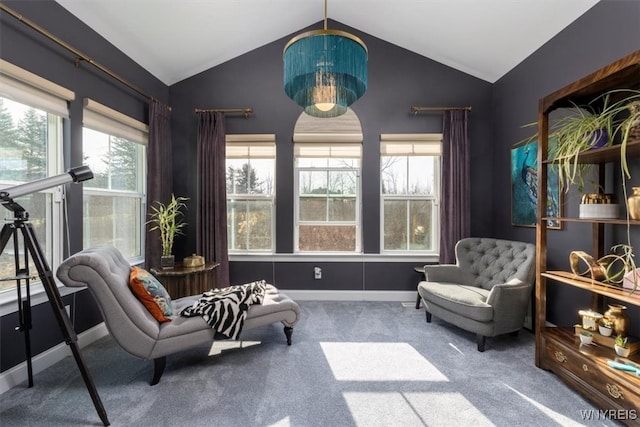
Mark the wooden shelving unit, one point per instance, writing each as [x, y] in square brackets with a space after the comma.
[558, 349]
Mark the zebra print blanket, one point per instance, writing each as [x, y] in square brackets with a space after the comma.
[226, 309]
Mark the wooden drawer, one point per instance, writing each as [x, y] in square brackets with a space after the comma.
[585, 368]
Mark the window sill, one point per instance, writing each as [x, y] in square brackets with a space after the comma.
[405, 258]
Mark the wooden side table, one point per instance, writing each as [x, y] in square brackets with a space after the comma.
[181, 281]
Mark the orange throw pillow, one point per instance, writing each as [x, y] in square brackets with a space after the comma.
[151, 294]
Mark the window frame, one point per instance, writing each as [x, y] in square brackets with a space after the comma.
[100, 118]
[413, 145]
[33, 91]
[263, 143]
[318, 148]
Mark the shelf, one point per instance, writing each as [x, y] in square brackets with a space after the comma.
[619, 74]
[606, 154]
[620, 221]
[611, 291]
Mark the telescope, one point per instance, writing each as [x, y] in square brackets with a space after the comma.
[77, 174]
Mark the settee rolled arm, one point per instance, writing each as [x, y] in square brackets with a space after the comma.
[509, 301]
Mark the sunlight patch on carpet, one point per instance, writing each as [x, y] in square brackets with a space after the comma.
[219, 346]
[378, 362]
[413, 409]
[555, 416]
[285, 422]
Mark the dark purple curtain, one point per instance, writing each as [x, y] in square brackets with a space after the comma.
[455, 202]
[211, 223]
[159, 173]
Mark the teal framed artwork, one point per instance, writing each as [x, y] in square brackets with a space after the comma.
[524, 188]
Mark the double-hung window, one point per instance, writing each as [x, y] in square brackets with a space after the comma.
[410, 189]
[250, 173]
[31, 113]
[114, 147]
[327, 203]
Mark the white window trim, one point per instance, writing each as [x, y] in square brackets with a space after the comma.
[101, 118]
[30, 89]
[358, 218]
[265, 148]
[413, 144]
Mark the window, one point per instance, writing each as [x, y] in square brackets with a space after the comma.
[114, 147]
[410, 188]
[327, 182]
[31, 114]
[250, 165]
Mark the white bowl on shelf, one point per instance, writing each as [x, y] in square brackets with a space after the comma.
[603, 210]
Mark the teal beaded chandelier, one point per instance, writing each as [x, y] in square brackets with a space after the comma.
[325, 71]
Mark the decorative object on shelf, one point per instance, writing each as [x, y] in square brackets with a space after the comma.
[599, 205]
[586, 337]
[594, 269]
[168, 220]
[325, 71]
[621, 346]
[623, 258]
[605, 328]
[590, 319]
[193, 261]
[524, 188]
[617, 314]
[633, 203]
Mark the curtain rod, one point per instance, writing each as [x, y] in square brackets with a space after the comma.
[416, 110]
[79, 55]
[245, 111]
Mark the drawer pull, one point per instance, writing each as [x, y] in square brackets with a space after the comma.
[585, 367]
[561, 357]
[614, 391]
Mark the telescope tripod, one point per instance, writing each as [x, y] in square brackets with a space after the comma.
[21, 225]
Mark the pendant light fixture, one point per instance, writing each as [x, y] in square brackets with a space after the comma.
[325, 71]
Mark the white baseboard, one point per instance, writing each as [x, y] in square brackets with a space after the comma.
[302, 295]
[40, 362]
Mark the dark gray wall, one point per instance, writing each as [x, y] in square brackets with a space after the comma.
[397, 79]
[604, 34]
[26, 48]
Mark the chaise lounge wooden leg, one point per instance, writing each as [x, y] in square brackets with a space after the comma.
[288, 330]
[481, 340]
[158, 369]
[428, 317]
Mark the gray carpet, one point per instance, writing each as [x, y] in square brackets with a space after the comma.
[351, 364]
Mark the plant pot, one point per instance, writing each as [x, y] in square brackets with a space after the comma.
[605, 332]
[599, 138]
[622, 351]
[586, 338]
[167, 261]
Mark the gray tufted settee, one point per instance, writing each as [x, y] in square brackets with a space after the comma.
[106, 273]
[486, 292]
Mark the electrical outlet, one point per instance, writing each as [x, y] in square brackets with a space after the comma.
[317, 273]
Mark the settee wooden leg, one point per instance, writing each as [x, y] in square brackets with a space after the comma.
[481, 340]
[428, 317]
[158, 369]
[418, 301]
[288, 330]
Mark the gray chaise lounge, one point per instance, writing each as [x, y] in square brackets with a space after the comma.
[106, 273]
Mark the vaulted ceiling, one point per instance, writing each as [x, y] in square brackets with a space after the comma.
[175, 39]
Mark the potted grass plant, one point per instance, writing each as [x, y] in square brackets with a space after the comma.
[168, 220]
[621, 346]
